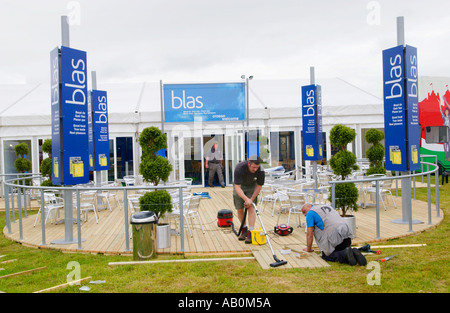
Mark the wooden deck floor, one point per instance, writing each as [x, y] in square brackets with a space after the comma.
[108, 236]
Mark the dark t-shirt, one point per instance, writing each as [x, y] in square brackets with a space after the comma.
[242, 176]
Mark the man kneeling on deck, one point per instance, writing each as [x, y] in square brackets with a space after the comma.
[333, 236]
[248, 180]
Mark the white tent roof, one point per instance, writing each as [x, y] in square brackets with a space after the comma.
[28, 105]
[339, 98]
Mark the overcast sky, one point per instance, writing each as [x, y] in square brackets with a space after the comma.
[215, 40]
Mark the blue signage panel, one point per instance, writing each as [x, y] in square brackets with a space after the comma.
[394, 109]
[204, 102]
[100, 129]
[312, 123]
[319, 122]
[90, 136]
[56, 123]
[401, 109]
[74, 113]
[412, 104]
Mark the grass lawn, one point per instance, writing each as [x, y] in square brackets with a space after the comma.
[413, 270]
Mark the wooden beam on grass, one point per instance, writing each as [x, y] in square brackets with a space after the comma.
[24, 272]
[78, 281]
[179, 261]
[8, 261]
[399, 246]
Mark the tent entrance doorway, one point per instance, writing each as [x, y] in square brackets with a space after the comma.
[192, 157]
[217, 156]
[192, 152]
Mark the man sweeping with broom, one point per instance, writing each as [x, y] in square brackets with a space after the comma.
[248, 181]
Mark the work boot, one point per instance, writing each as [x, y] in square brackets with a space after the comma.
[361, 259]
[243, 234]
[349, 256]
[249, 237]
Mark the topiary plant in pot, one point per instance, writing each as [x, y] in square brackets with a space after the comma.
[375, 153]
[47, 165]
[158, 201]
[342, 164]
[155, 168]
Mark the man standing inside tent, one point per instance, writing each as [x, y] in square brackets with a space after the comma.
[248, 180]
[213, 163]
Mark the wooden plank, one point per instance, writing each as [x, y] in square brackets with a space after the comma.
[262, 259]
[8, 261]
[75, 282]
[399, 246]
[110, 234]
[179, 261]
[309, 261]
[117, 233]
[24, 272]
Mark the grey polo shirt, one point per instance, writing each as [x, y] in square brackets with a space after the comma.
[214, 156]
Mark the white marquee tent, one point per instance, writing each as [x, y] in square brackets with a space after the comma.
[25, 111]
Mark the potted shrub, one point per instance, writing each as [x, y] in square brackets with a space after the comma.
[22, 164]
[158, 201]
[342, 164]
[375, 153]
[155, 168]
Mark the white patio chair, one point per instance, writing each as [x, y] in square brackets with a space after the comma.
[52, 205]
[188, 182]
[175, 195]
[129, 180]
[296, 200]
[308, 184]
[133, 202]
[87, 203]
[362, 190]
[105, 195]
[380, 183]
[386, 190]
[324, 179]
[135, 205]
[324, 196]
[265, 195]
[189, 212]
[192, 211]
[282, 198]
[382, 189]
